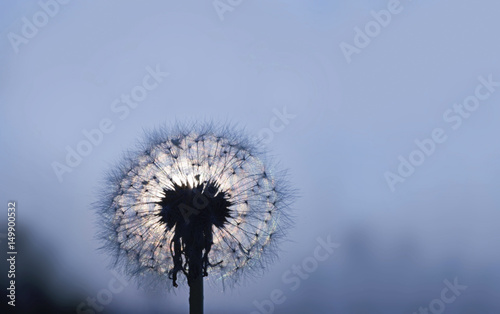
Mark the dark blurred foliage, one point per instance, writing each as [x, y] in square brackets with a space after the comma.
[36, 266]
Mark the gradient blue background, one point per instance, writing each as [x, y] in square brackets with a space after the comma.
[352, 122]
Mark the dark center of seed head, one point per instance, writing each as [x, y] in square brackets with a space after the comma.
[194, 208]
[191, 212]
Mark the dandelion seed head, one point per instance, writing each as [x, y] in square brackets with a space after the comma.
[208, 188]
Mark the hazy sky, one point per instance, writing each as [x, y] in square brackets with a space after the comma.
[368, 93]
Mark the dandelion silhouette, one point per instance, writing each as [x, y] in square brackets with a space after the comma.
[196, 201]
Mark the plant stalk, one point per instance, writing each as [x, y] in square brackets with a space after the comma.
[196, 286]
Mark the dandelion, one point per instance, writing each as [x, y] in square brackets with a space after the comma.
[193, 202]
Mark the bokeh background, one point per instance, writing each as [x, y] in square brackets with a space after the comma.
[352, 120]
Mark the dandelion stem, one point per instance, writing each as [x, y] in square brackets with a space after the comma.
[196, 286]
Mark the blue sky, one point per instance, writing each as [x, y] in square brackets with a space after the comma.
[352, 122]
